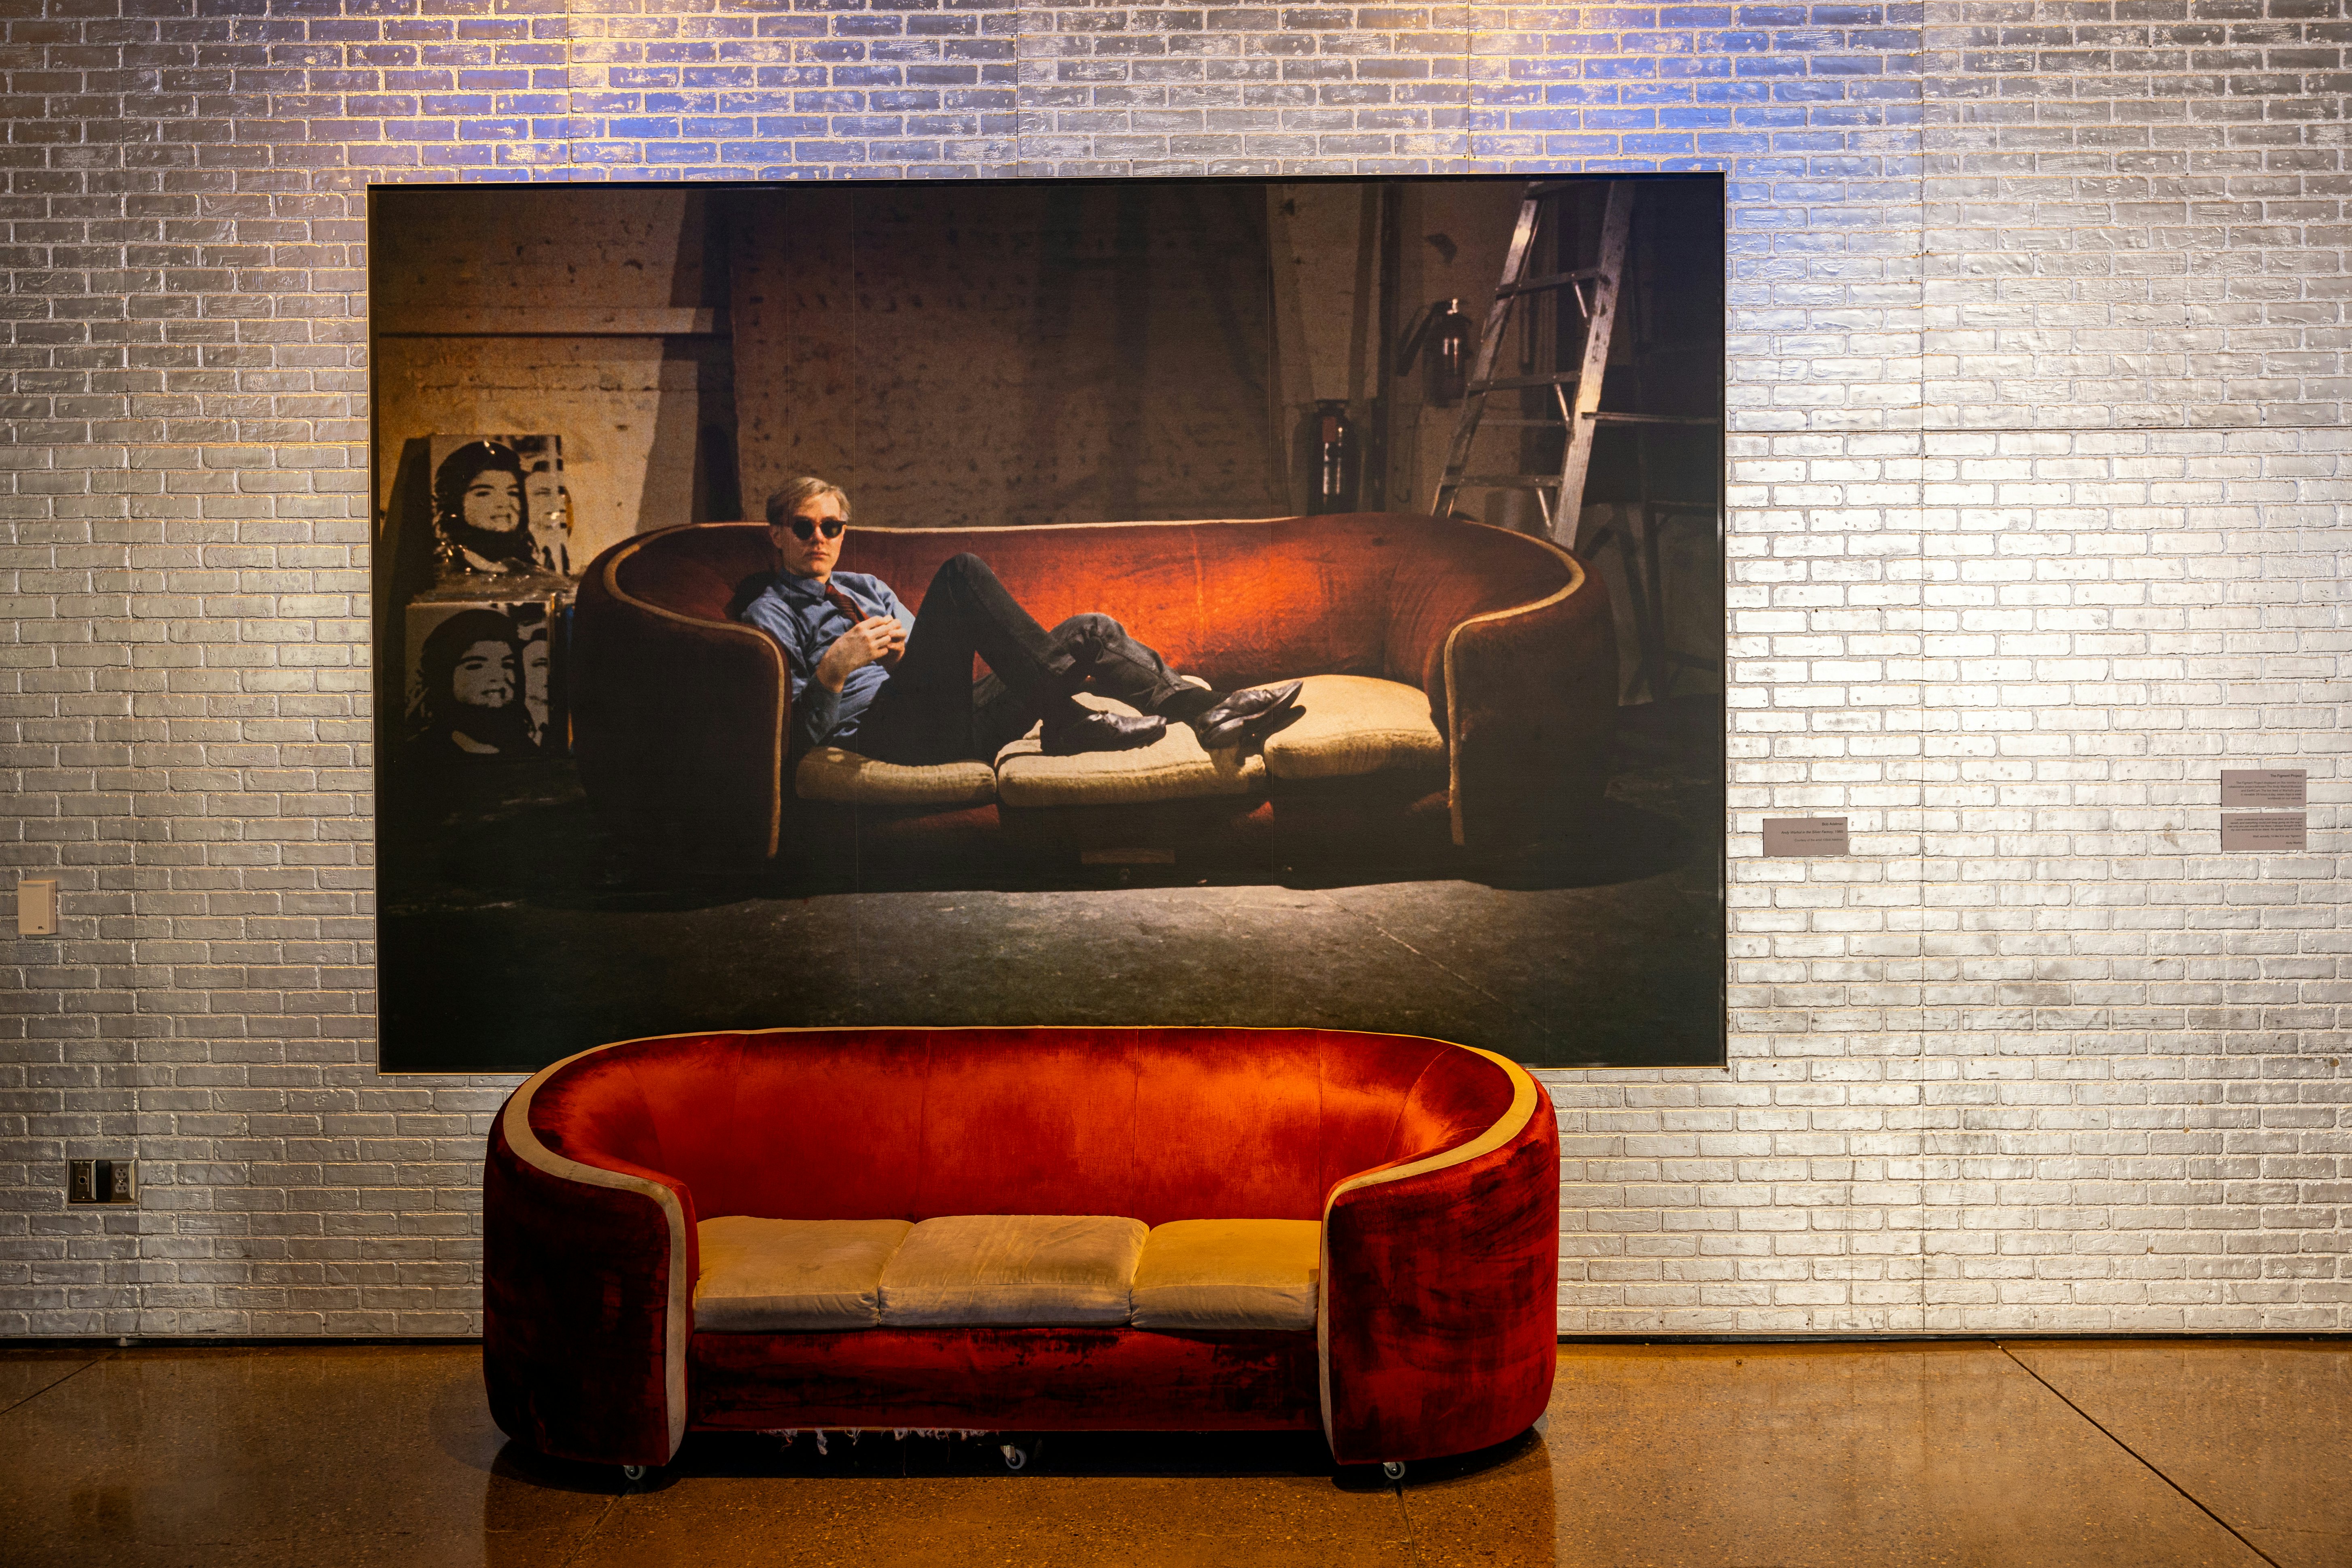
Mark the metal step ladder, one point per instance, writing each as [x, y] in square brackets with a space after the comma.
[1576, 393]
[1561, 494]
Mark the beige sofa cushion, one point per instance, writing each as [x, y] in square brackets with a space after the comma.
[1353, 725]
[771, 1275]
[1173, 768]
[828, 773]
[1012, 1268]
[1228, 1274]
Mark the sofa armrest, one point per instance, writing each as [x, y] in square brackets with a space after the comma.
[1438, 1322]
[680, 720]
[1531, 701]
[588, 1276]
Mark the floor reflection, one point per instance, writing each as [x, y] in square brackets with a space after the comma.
[1679, 1456]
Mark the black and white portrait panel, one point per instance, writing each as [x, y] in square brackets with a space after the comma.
[480, 682]
[499, 506]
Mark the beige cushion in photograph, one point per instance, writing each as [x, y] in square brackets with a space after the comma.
[1229, 1274]
[766, 1275]
[1353, 725]
[1012, 1268]
[1173, 768]
[828, 773]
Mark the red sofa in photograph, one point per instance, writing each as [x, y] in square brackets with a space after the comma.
[1022, 1230]
[1459, 676]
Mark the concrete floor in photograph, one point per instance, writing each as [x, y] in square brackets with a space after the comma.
[1979, 1455]
[518, 931]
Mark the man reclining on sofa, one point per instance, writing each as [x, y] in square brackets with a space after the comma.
[868, 674]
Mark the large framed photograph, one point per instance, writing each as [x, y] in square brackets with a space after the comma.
[1232, 603]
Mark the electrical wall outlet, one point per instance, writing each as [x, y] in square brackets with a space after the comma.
[101, 1181]
[36, 906]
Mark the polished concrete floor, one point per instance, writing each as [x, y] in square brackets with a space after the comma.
[1971, 1455]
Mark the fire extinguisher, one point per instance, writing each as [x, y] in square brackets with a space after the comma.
[1333, 453]
[1441, 340]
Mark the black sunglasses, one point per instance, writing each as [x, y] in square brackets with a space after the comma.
[804, 528]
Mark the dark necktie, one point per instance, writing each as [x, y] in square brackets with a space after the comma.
[844, 603]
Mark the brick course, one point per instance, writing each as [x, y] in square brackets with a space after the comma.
[2038, 478]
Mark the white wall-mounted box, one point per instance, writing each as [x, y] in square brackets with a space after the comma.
[37, 907]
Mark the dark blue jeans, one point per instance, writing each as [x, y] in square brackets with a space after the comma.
[931, 710]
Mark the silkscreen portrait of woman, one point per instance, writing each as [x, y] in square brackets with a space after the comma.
[469, 698]
[532, 630]
[549, 507]
[477, 510]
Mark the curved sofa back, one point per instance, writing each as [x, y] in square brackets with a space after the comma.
[1364, 594]
[1157, 1124]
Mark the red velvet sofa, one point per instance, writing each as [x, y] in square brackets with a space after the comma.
[1433, 1168]
[681, 711]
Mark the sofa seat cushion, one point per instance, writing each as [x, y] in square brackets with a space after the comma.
[1353, 725]
[1228, 1274]
[828, 773]
[765, 1276]
[1174, 767]
[1008, 1270]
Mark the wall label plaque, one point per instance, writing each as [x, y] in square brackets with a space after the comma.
[2260, 789]
[1786, 836]
[2254, 832]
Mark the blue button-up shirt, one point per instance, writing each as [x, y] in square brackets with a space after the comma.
[795, 612]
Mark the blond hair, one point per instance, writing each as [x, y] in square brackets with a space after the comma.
[785, 501]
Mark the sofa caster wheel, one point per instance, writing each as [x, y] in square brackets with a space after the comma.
[1393, 1469]
[633, 1472]
[1018, 1455]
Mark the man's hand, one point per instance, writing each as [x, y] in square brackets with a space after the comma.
[876, 639]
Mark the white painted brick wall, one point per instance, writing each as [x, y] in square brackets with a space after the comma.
[2037, 487]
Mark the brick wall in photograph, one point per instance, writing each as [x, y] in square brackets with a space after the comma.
[2038, 476]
